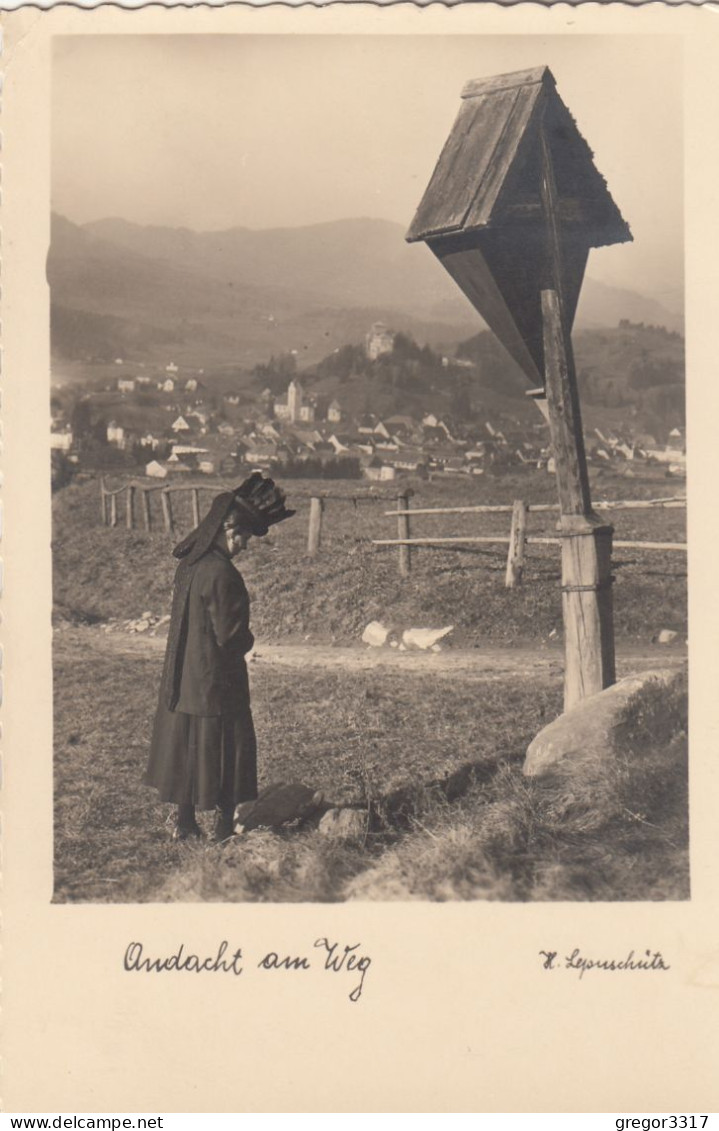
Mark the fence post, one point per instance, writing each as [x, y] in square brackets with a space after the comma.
[103, 502]
[314, 534]
[113, 509]
[130, 512]
[517, 536]
[405, 561]
[166, 510]
[146, 508]
[195, 506]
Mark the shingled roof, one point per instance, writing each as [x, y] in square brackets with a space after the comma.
[489, 170]
[482, 213]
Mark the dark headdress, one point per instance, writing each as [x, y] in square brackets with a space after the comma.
[259, 503]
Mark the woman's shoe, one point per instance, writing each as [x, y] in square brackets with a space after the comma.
[183, 831]
[186, 825]
[224, 825]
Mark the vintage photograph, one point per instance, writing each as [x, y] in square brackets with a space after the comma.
[368, 459]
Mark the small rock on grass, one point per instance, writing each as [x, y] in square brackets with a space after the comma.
[666, 636]
[425, 638]
[375, 634]
[344, 824]
[278, 804]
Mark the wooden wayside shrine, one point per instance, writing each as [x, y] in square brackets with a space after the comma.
[511, 211]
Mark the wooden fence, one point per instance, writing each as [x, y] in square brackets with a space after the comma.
[517, 539]
[135, 491]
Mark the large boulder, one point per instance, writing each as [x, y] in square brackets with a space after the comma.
[633, 712]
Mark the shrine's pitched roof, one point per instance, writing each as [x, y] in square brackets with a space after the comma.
[488, 173]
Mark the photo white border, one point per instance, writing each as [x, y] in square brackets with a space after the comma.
[457, 1013]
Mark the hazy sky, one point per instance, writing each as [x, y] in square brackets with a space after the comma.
[210, 132]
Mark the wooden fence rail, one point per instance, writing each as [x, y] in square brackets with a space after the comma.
[507, 508]
[518, 539]
[317, 508]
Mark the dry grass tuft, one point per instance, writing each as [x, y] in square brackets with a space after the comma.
[615, 829]
[265, 866]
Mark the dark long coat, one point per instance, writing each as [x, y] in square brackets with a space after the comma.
[203, 747]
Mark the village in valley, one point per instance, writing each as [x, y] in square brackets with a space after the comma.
[166, 421]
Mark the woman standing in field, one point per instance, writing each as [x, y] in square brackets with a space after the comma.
[203, 752]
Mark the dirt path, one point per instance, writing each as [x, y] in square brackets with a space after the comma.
[491, 662]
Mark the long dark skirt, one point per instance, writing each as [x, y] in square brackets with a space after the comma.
[203, 760]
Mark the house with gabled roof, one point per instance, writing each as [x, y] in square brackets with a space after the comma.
[409, 459]
[366, 424]
[177, 466]
[378, 471]
[155, 470]
[340, 445]
[261, 453]
[433, 435]
[307, 436]
[402, 425]
[325, 451]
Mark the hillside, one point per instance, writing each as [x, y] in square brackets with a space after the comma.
[198, 306]
[239, 296]
[629, 373]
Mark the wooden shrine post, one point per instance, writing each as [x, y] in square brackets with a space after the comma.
[512, 210]
[586, 540]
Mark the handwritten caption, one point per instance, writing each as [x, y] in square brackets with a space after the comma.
[334, 958]
[651, 960]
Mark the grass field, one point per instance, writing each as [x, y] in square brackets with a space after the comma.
[433, 756]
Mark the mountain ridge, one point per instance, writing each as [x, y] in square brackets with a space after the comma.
[244, 294]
